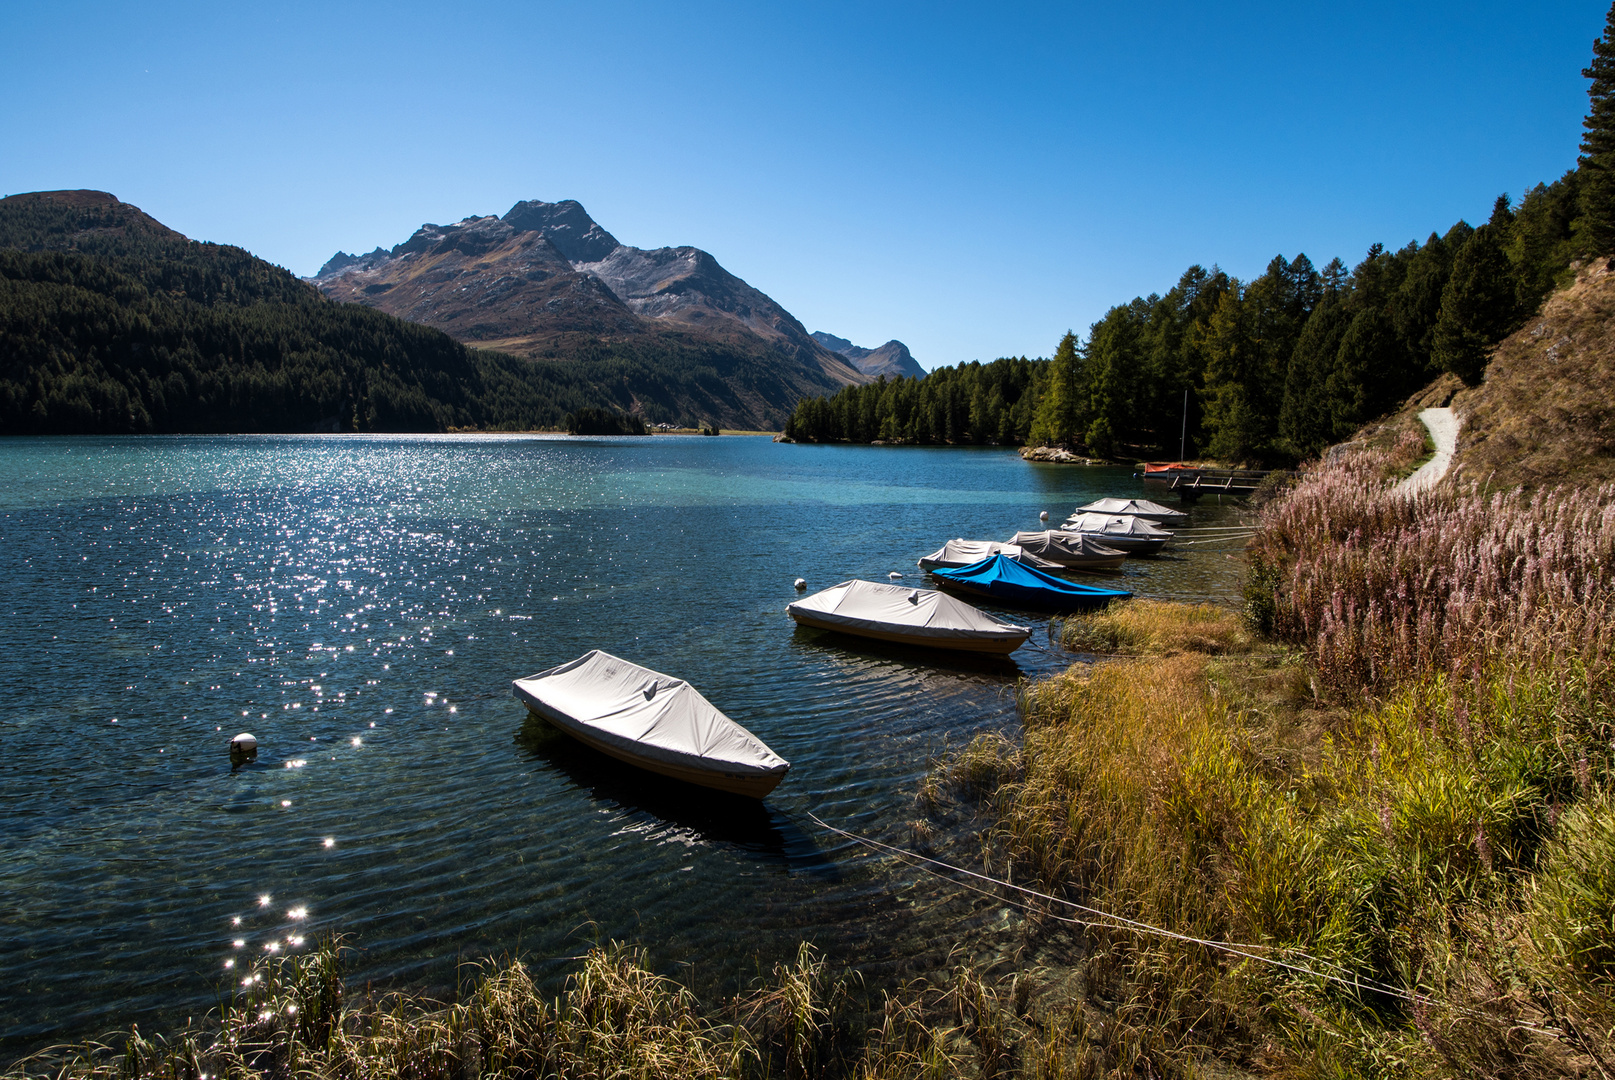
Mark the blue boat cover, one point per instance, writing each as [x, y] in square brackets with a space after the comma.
[1015, 583]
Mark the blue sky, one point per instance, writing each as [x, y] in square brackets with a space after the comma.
[971, 180]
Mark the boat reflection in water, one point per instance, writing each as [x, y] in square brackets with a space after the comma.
[672, 809]
[906, 657]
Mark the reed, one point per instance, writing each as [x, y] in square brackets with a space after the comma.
[615, 1018]
[1382, 586]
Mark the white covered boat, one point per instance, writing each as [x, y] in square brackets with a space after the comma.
[1123, 532]
[1144, 508]
[653, 721]
[1069, 551]
[967, 552]
[922, 617]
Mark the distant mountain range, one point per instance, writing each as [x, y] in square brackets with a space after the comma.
[546, 281]
[892, 359]
[112, 322]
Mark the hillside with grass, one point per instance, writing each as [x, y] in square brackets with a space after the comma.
[1545, 413]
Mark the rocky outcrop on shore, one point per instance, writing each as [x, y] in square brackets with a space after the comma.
[1058, 455]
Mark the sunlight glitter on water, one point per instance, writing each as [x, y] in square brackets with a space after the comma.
[321, 585]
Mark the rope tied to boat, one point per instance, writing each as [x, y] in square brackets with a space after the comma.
[1104, 920]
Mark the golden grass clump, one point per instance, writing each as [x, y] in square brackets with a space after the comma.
[615, 1019]
[1152, 626]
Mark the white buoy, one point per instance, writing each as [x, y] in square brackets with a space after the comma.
[244, 746]
[894, 575]
[1043, 515]
[801, 584]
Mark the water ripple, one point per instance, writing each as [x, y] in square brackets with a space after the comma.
[361, 605]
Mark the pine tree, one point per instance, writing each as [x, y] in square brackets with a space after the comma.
[1596, 225]
[1542, 242]
[1305, 421]
[1479, 306]
[1060, 419]
[1233, 363]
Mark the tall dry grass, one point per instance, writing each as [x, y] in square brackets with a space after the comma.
[1454, 842]
[1151, 626]
[614, 1019]
[1382, 586]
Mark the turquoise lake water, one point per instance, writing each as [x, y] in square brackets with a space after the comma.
[361, 606]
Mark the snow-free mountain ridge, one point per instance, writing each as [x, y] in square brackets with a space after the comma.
[892, 359]
[546, 281]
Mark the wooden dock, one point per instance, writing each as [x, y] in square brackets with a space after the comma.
[1192, 483]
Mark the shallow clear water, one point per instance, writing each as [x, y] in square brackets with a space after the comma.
[361, 605]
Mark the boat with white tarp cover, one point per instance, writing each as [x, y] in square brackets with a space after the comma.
[1123, 532]
[922, 617]
[1144, 508]
[653, 721]
[965, 552]
[1068, 551]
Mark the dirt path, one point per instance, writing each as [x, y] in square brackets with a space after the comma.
[1443, 428]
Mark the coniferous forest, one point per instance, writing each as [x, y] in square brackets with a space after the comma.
[1271, 370]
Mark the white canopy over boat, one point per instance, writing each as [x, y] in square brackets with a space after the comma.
[965, 552]
[651, 720]
[1124, 532]
[1069, 550]
[911, 616]
[1144, 508]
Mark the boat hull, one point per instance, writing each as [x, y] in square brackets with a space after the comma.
[1132, 545]
[754, 785]
[1089, 562]
[996, 646]
[1038, 599]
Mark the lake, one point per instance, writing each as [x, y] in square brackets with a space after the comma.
[361, 604]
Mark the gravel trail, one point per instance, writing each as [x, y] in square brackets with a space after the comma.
[1443, 426]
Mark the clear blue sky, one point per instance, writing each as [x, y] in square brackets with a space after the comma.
[971, 179]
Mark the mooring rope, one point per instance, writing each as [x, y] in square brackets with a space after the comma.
[1121, 922]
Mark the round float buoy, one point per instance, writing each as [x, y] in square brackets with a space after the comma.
[1043, 515]
[243, 746]
[801, 584]
[894, 575]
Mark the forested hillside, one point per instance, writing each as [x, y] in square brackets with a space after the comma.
[112, 323]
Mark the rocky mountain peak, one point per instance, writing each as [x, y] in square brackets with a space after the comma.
[343, 261]
[546, 281]
[892, 359]
[566, 225]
